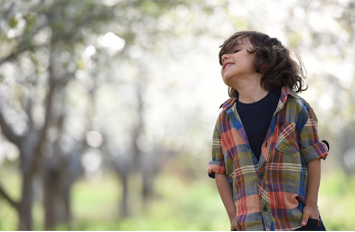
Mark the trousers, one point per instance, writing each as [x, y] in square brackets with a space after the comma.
[313, 225]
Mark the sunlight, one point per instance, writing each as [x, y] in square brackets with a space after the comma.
[111, 42]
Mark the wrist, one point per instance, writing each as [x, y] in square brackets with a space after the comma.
[311, 203]
[311, 200]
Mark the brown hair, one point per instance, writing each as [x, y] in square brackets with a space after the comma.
[272, 59]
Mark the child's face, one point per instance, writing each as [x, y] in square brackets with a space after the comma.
[238, 63]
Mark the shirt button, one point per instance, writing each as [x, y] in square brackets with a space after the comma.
[264, 208]
[260, 176]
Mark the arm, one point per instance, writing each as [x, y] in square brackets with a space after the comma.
[226, 193]
[312, 151]
[313, 181]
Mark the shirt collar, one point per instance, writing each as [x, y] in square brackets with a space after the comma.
[228, 103]
[285, 91]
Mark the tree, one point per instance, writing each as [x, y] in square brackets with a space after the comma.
[46, 39]
[43, 38]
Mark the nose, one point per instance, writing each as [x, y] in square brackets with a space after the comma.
[224, 57]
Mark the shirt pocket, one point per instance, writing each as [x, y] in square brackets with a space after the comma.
[287, 141]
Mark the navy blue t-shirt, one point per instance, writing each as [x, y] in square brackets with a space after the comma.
[256, 118]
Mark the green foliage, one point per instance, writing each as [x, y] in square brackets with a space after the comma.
[13, 22]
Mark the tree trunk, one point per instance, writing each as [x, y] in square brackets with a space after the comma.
[56, 199]
[67, 206]
[25, 205]
[124, 211]
[50, 200]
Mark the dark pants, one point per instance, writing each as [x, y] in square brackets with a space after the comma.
[313, 225]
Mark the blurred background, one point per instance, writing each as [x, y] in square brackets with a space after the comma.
[107, 108]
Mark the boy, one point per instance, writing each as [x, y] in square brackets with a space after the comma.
[266, 151]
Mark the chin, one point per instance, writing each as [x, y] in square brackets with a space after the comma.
[227, 80]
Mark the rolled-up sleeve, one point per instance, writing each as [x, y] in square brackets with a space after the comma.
[216, 165]
[310, 146]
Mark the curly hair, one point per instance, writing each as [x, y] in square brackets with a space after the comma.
[272, 60]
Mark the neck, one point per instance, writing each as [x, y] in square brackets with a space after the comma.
[251, 95]
[250, 90]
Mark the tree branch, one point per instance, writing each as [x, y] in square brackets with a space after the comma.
[28, 111]
[7, 11]
[53, 85]
[6, 196]
[8, 131]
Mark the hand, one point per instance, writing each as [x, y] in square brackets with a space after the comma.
[235, 225]
[309, 211]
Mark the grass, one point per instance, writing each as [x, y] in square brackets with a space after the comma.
[337, 201]
[178, 204]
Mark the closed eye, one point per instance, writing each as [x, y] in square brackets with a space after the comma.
[236, 51]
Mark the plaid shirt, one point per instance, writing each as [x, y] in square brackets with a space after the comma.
[268, 194]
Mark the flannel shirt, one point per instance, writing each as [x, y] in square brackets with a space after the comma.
[268, 194]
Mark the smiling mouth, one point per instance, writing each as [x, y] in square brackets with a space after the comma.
[226, 65]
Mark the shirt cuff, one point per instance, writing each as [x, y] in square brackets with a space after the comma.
[317, 150]
[215, 167]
